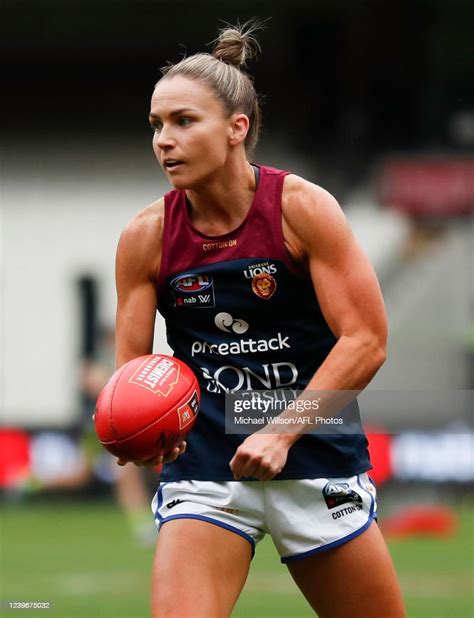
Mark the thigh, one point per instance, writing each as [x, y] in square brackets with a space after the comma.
[199, 570]
[356, 578]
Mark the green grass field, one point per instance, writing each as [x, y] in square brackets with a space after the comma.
[80, 557]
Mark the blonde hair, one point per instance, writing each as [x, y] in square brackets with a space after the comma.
[222, 71]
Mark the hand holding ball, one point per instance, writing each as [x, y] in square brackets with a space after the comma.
[147, 407]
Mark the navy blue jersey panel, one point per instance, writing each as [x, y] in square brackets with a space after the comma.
[252, 324]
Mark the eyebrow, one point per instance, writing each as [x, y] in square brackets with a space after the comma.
[175, 112]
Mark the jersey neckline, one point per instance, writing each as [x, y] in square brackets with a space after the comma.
[236, 230]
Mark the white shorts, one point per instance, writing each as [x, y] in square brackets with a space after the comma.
[303, 517]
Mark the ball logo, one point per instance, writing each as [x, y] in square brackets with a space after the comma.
[188, 411]
[224, 321]
[191, 283]
[264, 285]
[158, 375]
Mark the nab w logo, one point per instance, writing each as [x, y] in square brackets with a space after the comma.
[224, 321]
[193, 291]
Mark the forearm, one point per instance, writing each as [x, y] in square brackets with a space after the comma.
[134, 324]
[132, 342]
[349, 367]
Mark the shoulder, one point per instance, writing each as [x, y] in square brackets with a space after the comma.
[311, 215]
[301, 198]
[142, 236]
[146, 227]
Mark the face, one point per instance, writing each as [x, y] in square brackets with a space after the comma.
[193, 134]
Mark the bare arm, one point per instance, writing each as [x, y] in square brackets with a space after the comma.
[137, 266]
[318, 235]
[345, 284]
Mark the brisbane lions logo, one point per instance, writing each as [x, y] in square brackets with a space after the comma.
[264, 285]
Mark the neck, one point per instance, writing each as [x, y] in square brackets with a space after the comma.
[222, 203]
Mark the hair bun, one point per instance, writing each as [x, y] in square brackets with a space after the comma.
[236, 44]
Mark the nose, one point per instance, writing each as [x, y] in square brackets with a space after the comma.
[164, 138]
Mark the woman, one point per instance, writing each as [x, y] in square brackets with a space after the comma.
[262, 286]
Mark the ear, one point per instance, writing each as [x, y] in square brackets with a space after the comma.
[238, 128]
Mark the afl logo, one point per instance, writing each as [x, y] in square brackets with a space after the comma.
[264, 285]
[336, 494]
[191, 283]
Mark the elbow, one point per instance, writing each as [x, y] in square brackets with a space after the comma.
[379, 355]
[373, 354]
[376, 351]
[368, 351]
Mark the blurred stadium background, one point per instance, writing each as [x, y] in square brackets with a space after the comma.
[374, 101]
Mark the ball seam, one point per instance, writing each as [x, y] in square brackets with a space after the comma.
[117, 380]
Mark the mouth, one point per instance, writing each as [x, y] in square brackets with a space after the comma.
[171, 164]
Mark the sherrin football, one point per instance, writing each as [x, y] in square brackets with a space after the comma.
[147, 407]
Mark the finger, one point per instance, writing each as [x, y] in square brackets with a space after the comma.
[235, 469]
[261, 471]
[269, 470]
[268, 474]
[243, 464]
[175, 453]
[249, 468]
[171, 455]
[152, 462]
[236, 465]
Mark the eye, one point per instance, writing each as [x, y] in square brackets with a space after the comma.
[156, 126]
[184, 121]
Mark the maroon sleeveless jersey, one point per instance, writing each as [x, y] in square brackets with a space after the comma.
[240, 313]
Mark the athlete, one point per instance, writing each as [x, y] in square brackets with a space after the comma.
[262, 286]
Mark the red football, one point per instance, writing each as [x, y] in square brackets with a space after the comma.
[147, 407]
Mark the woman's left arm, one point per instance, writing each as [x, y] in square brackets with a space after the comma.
[344, 282]
[318, 235]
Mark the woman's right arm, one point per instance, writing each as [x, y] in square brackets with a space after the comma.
[137, 266]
